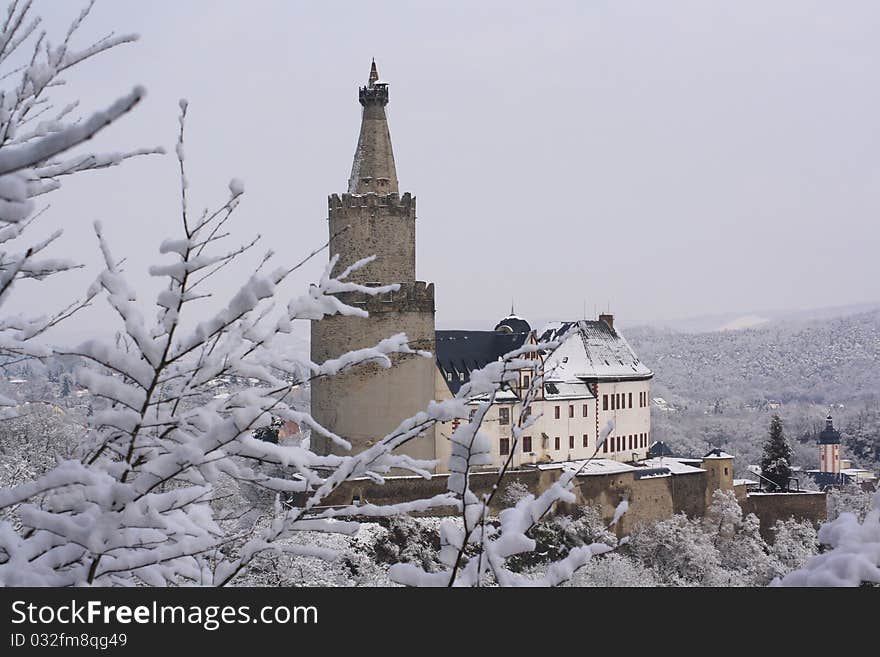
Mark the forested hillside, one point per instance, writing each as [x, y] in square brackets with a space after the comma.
[723, 387]
[825, 362]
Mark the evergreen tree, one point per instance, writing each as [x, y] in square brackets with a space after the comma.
[776, 460]
[65, 385]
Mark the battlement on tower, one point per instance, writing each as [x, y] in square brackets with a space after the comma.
[406, 204]
[415, 296]
[375, 92]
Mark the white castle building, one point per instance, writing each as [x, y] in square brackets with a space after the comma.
[592, 379]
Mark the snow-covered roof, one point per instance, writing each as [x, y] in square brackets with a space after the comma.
[788, 492]
[594, 350]
[745, 482]
[675, 465]
[567, 390]
[505, 395]
[859, 473]
[649, 468]
[594, 467]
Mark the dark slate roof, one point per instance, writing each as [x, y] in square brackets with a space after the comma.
[829, 435]
[459, 352]
[659, 448]
[513, 324]
[651, 472]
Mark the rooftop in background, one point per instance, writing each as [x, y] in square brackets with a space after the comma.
[829, 435]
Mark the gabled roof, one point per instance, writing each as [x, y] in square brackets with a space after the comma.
[594, 350]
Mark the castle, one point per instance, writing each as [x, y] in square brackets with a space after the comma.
[595, 377]
[595, 384]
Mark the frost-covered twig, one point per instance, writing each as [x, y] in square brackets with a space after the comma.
[34, 155]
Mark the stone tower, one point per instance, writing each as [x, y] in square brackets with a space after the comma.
[367, 403]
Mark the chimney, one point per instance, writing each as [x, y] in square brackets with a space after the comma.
[608, 318]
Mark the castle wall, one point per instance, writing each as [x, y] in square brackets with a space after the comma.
[770, 507]
[720, 473]
[443, 431]
[650, 499]
[367, 402]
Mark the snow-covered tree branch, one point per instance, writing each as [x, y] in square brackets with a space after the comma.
[37, 140]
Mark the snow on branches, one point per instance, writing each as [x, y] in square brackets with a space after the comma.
[141, 499]
[854, 555]
[36, 138]
[139, 502]
[474, 551]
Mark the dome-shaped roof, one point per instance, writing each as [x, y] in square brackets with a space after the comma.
[829, 435]
[513, 324]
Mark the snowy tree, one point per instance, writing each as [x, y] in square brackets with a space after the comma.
[477, 550]
[36, 143]
[776, 459]
[146, 498]
[852, 557]
[743, 554]
[615, 569]
[848, 499]
[678, 551]
[794, 543]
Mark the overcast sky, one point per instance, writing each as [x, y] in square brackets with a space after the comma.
[664, 159]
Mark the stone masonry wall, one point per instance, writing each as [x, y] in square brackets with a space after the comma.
[384, 226]
[651, 499]
[367, 402]
[770, 507]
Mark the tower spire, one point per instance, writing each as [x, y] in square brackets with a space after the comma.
[373, 169]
